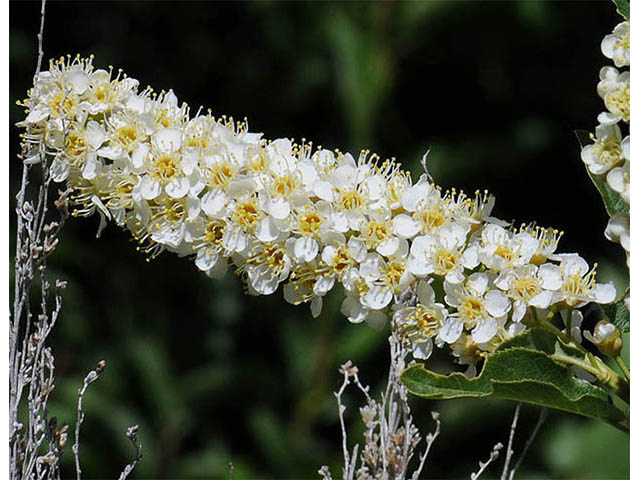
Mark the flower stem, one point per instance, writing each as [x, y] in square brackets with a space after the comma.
[590, 362]
[623, 368]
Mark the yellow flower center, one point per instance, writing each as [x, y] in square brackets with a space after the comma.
[246, 214]
[198, 141]
[74, 144]
[393, 274]
[471, 308]
[432, 217]
[274, 257]
[350, 200]
[505, 253]
[427, 322]
[285, 185]
[445, 261]
[127, 135]
[526, 288]
[310, 223]
[221, 174]
[174, 211]
[62, 103]
[341, 261]
[376, 232]
[617, 101]
[166, 167]
[213, 232]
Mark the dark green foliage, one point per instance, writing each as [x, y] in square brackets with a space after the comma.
[525, 369]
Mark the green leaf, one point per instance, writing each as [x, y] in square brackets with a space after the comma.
[624, 8]
[618, 314]
[520, 374]
[533, 339]
[613, 202]
[543, 341]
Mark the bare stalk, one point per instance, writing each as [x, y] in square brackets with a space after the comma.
[391, 437]
[37, 441]
[91, 377]
[132, 434]
[512, 432]
[541, 419]
[495, 453]
[41, 37]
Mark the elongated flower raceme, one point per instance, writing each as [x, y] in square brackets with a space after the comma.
[610, 153]
[282, 213]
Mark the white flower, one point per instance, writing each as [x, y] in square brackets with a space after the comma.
[616, 45]
[311, 222]
[478, 307]
[579, 285]
[342, 260]
[618, 231]
[412, 196]
[476, 210]
[244, 218]
[444, 255]
[501, 249]
[378, 233]
[525, 286]
[385, 278]
[614, 88]
[356, 312]
[547, 238]
[422, 322]
[619, 180]
[606, 151]
[208, 236]
[431, 211]
[267, 266]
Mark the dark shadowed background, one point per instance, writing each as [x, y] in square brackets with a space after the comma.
[496, 89]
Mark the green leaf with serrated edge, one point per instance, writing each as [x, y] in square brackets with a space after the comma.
[613, 202]
[624, 8]
[523, 375]
[617, 313]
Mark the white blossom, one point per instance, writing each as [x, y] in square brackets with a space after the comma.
[284, 214]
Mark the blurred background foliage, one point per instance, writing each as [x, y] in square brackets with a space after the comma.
[496, 89]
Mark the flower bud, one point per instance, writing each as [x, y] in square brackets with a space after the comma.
[606, 337]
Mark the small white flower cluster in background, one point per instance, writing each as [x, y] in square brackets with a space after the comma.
[286, 213]
[609, 154]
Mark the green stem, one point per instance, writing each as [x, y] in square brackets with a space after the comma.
[591, 363]
[623, 368]
[565, 337]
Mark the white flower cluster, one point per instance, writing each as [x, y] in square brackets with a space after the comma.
[285, 213]
[609, 154]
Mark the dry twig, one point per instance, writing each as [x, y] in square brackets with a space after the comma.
[541, 419]
[132, 434]
[390, 437]
[36, 446]
[495, 453]
[512, 432]
[91, 377]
